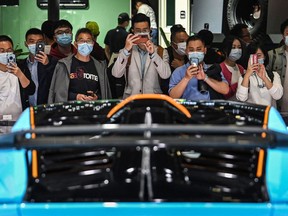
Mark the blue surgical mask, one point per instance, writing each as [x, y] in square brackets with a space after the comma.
[85, 49]
[32, 48]
[181, 48]
[286, 40]
[64, 39]
[235, 54]
[261, 60]
[3, 58]
[198, 55]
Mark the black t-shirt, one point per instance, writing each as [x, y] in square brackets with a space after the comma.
[83, 78]
[115, 39]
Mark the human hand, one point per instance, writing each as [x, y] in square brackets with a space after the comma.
[201, 74]
[149, 47]
[130, 41]
[42, 57]
[14, 69]
[191, 72]
[177, 63]
[91, 95]
[261, 72]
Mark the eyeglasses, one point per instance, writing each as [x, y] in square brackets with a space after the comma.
[66, 31]
[6, 50]
[81, 41]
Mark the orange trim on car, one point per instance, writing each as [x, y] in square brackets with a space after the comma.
[34, 164]
[180, 107]
[34, 152]
[265, 122]
[260, 163]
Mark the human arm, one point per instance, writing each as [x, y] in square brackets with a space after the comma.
[219, 86]
[107, 51]
[119, 67]
[276, 91]
[179, 83]
[242, 91]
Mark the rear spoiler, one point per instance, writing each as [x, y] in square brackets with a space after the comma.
[154, 135]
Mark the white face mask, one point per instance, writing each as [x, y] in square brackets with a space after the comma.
[286, 40]
[181, 48]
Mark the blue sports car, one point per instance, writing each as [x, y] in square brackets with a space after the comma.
[145, 155]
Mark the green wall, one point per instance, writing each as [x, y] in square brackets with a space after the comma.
[15, 21]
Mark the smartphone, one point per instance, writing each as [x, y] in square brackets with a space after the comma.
[40, 46]
[194, 62]
[143, 38]
[253, 59]
[11, 58]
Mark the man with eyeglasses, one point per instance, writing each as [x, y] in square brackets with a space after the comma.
[63, 46]
[15, 86]
[140, 61]
[80, 76]
[38, 65]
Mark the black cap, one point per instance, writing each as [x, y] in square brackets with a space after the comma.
[123, 17]
[177, 28]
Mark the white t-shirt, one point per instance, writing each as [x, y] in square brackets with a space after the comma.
[258, 94]
[148, 11]
[10, 99]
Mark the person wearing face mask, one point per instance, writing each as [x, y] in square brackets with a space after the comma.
[140, 61]
[212, 56]
[176, 52]
[62, 47]
[15, 86]
[80, 76]
[233, 49]
[278, 60]
[196, 80]
[258, 85]
[39, 66]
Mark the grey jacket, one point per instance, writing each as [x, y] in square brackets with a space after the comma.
[154, 68]
[59, 87]
[279, 62]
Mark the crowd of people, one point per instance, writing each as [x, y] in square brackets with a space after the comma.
[133, 63]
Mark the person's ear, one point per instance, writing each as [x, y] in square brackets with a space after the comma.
[75, 44]
[25, 44]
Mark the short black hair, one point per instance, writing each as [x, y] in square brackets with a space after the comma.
[140, 18]
[47, 28]
[228, 42]
[6, 38]
[176, 29]
[62, 23]
[283, 26]
[207, 36]
[34, 31]
[237, 29]
[83, 30]
[195, 38]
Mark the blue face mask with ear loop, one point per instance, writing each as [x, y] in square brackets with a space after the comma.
[85, 49]
[198, 55]
[64, 39]
[32, 48]
[235, 54]
[3, 58]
